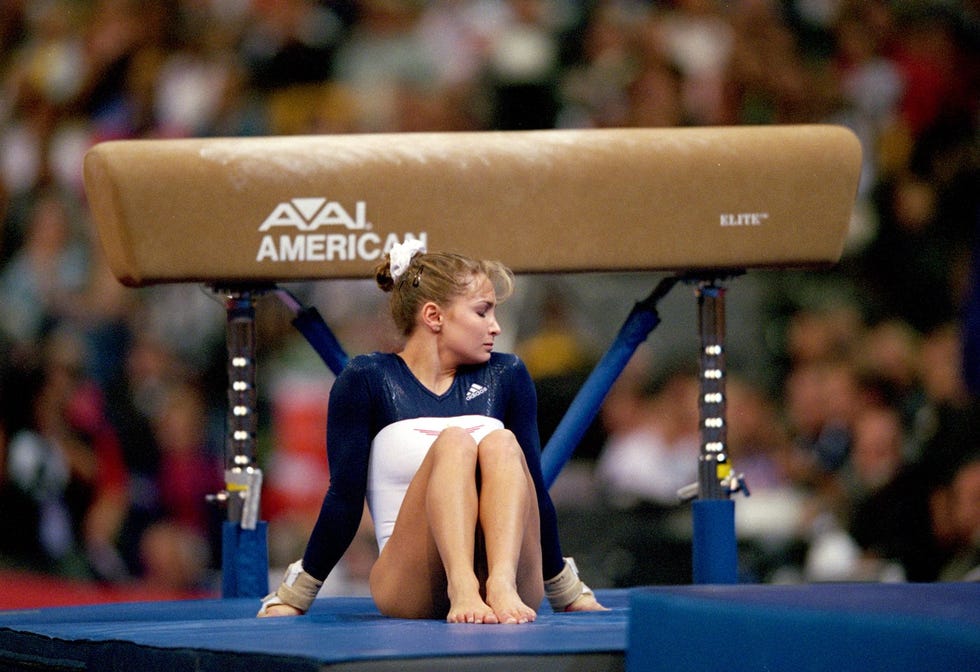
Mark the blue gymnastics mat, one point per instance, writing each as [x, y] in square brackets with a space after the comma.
[339, 633]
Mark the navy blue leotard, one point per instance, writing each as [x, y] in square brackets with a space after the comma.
[380, 422]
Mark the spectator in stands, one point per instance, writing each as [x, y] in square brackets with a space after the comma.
[964, 508]
[44, 277]
[177, 549]
[654, 453]
[64, 472]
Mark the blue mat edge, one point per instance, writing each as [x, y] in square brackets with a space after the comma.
[816, 627]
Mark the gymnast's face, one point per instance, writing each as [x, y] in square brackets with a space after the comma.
[470, 323]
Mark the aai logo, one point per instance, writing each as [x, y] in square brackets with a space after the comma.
[318, 229]
[309, 214]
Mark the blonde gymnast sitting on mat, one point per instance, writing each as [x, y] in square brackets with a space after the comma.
[442, 440]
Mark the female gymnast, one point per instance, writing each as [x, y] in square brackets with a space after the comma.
[441, 438]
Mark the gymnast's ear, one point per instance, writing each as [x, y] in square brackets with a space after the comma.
[431, 316]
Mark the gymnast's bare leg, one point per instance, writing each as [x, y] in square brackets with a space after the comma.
[430, 568]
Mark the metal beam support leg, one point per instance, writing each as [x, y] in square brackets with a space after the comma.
[714, 547]
[713, 463]
[244, 551]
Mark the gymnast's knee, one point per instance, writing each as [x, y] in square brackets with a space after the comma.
[500, 444]
[454, 442]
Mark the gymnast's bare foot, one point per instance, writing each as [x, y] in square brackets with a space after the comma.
[471, 611]
[507, 604]
[465, 606]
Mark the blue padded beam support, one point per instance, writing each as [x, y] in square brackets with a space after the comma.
[244, 560]
[639, 323]
[309, 322]
[714, 547]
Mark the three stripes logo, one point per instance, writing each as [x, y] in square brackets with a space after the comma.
[475, 391]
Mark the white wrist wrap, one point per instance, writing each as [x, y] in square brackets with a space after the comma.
[298, 589]
[565, 587]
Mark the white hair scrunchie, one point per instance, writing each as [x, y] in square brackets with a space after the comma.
[401, 254]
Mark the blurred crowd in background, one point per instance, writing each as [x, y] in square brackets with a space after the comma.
[852, 394]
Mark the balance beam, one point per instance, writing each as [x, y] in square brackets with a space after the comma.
[230, 211]
[242, 214]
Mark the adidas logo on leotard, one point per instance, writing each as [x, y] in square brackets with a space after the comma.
[475, 391]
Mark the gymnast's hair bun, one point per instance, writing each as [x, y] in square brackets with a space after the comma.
[382, 275]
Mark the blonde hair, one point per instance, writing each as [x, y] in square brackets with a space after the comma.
[439, 277]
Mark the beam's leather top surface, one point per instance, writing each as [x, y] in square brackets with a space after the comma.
[252, 210]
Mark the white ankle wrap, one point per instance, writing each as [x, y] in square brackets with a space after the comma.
[565, 587]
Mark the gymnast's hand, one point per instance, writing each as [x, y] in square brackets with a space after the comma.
[586, 602]
[297, 588]
[279, 610]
